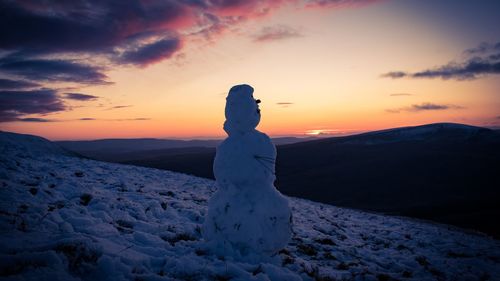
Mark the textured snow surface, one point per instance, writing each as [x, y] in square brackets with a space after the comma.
[65, 218]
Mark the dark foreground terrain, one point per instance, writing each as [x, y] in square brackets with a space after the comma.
[443, 172]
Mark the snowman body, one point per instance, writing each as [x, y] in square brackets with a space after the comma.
[247, 218]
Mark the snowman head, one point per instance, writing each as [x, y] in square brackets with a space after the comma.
[242, 110]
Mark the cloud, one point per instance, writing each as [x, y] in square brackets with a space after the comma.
[53, 70]
[277, 32]
[9, 84]
[340, 3]
[36, 120]
[400, 95]
[151, 53]
[284, 104]
[468, 70]
[46, 42]
[394, 74]
[103, 27]
[126, 119]
[484, 61]
[425, 106]
[483, 48]
[84, 26]
[118, 107]
[429, 106]
[14, 104]
[140, 119]
[80, 97]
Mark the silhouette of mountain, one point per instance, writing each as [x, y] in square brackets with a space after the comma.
[119, 150]
[444, 172]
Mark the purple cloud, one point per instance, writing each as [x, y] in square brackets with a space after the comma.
[151, 53]
[9, 84]
[395, 74]
[50, 41]
[83, 26]
[36, 120]
[80, 97]
[118, 107]
[340, 3]
[483, 63]
[426, 106]
[483, 48]
[14, 104]
[284, 103]
[277, 32]
[53, 70]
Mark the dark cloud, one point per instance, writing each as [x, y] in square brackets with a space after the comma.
[9, 84]
[141, 119]
[80, 97]
[53, 70]
[468, 70]
[15, 104]
[340, 3]
[36, 120]
[284, 103]
[426, 106]
[394, 74]
[83, 26]
[54, 41]
[484, 62]
[102, 27]
[118, 107]
[129, 119]
[126, 119]
[400, 95]
[277, 32]
[482, 48]
[151, 53]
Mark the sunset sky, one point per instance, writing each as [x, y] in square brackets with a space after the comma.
[95, 69]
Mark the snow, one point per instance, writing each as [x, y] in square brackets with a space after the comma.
[67, 218]
[248, 219]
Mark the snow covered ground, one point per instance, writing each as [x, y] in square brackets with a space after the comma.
[66, 218]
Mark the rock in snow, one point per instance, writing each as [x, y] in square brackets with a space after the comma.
[67, 218]
[248, 219]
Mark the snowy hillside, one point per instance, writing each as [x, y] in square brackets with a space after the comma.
[66, 218]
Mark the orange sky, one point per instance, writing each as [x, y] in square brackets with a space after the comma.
[323, 75]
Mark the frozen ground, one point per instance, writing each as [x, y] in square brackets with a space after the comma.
[65, 218]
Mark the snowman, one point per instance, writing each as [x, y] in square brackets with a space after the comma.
[248, 218]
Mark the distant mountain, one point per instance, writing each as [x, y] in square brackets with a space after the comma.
[68, 218]
[119, 150]
[444, 172]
